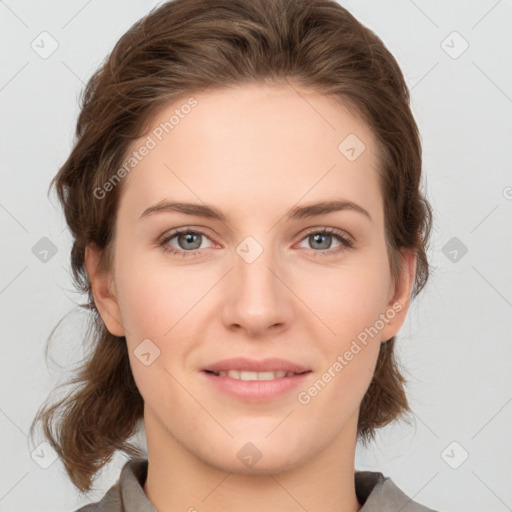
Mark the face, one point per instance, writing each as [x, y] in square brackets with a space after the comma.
[263, 281]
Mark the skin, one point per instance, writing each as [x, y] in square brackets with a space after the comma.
[254, 152]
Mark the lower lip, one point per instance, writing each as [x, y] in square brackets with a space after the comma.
[256, 390]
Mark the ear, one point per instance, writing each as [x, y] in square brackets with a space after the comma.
[103, 291]
[398, 306]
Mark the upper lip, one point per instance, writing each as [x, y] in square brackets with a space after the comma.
[252, 365]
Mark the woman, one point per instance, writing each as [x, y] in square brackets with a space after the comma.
[244, 197]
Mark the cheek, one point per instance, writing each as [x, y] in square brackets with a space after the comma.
[154, 297]
[347, 299]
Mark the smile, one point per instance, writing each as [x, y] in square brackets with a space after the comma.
[248, 376]
[251, 386]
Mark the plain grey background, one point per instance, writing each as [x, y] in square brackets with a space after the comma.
[456, 344]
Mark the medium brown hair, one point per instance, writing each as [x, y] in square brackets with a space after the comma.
[188, 46]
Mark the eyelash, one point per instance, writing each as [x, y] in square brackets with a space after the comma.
[346, 242]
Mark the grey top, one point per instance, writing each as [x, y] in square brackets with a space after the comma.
[377, 493]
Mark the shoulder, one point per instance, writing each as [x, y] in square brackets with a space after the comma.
[127, 494]
[379, 493]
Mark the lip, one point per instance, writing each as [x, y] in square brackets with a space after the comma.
[273, 364]
[255, 390]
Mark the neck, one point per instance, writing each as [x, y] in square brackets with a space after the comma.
[178, 480]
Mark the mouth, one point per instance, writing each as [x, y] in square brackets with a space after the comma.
[255, 376]
[255, 387]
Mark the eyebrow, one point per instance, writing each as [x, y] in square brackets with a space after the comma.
[210, 212]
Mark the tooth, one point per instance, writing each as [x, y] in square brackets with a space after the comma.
[244, 375]
[267, 375]
[251, 376]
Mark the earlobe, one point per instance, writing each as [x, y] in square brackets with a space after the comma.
[398, 306]
[103, 291]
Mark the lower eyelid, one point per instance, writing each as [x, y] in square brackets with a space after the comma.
[167, 238]
[345, 241]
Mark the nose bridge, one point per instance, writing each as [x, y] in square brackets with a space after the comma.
[259, 297]
[253, 263]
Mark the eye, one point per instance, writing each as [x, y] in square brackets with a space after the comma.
[190, 241]
[322, 239]
[187, 239]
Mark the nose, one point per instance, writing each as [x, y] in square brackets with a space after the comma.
[258, 298]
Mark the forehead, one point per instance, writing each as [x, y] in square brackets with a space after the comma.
[254, 145]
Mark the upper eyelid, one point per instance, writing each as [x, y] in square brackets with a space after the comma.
[201, 231]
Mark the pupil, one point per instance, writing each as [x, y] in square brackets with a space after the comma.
[316, 237]
[189, 239]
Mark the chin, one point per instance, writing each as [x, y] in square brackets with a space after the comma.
[256, 455]
[277, 464]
